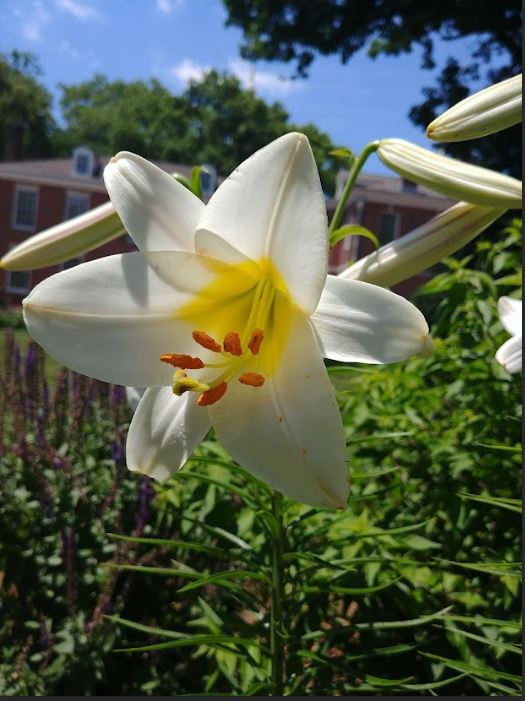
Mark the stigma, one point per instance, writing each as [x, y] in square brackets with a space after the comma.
[236, 356]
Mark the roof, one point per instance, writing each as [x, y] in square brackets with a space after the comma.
[59, 172]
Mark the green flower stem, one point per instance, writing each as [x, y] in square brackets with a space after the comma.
[352, 177]
[276, 622]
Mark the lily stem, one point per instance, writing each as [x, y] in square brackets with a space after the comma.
[276, 621]
[349, 185]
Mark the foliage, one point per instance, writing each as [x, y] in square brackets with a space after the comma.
[413, 589]
[296, 30]
[213, 121]
[24, 104]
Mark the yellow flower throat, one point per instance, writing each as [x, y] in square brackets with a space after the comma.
[243, 318]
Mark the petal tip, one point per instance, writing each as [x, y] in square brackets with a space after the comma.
[427, 347]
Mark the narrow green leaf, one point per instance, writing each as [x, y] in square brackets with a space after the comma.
[220, 533]
[183, 544]
[198, 640]
[380, 681]
[220, 577]
[433, 685]
[501, 502]
[480, 621]
[352, 230]
[409, 623]
[351, 590]
[149, 630]
[477, 671]
[500, 569]
[196, 183]
[343, 153]
[499, 446]
[515, 649]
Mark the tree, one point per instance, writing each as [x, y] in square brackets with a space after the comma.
[213, 121]
[296, 30]
[25, 106]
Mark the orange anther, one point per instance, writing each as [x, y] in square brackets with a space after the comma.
[251, 378]
[212, 395]
[255, 340]
[232, 343]
[185, 362]
[202, 338]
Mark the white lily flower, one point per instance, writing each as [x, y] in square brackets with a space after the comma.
[488, 111]
[236, 296]
[69, 239]
[423, 247]
[450, 177]
[509, 354]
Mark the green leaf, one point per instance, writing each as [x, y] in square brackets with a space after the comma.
[499, 644]
[411, 623]
[352, 230]
[196, 182]
[220, 577]
[477, 671]
[149, 630]
[191, 640]
[379, 681]
[508, 569]
[501, 502]
[343, 153]
[481, 621]
[351, 590]
[183, 544]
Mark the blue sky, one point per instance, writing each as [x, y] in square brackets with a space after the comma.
[175, 40]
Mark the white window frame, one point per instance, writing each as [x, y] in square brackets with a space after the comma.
[13, 289]
[70, 194]
[83, 151]
[14, 224]
[397, 220]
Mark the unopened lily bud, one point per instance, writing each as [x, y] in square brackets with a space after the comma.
[450, 177]
[424, 246]
[490, 110]
[69, 239]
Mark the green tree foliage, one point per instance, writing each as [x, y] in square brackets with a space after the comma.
[298, 29]
[213, 121]
[24, 104]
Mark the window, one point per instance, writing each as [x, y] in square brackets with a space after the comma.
[76, 203]
[72, 262]
[388, 226]
[208, 178]
[18, 281]
[25, 208]
[83, 162]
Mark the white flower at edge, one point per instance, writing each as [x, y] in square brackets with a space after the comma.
[237, 290]
[509, 354]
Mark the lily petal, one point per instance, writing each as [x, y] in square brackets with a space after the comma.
[360, 322]
[510, 353]
[159, 213]
[112, 318]
[273, 206]
[289, 431]
[164, 432]
[509, 311]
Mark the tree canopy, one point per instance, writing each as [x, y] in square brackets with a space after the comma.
[213, 121]
[297, 30]
[24, 104]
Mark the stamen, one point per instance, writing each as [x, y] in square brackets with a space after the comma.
[182, 383]
[251, 378]
[255, 341]
[202, 338]
[212, 395]
[185, 362]
[232, 343]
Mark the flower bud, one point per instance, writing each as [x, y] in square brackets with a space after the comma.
[450, 177]
[490, 110]
[69, 239]
[424, 246]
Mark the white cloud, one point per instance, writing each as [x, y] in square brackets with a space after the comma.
[262, 81]
[65, 48]
[77, 9]
[167, 6]
[187, 70]
[31, 29]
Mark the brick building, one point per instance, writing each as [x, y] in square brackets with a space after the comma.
[35, 195]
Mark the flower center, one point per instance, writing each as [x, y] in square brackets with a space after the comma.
[245, 307]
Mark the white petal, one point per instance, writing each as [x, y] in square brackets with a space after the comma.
[289, 431]
[133, 396]
[363, 323]
[164, 432]
[273, 206]
[159, 213]
[509, 311]
[113, 317]
[509, 354]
